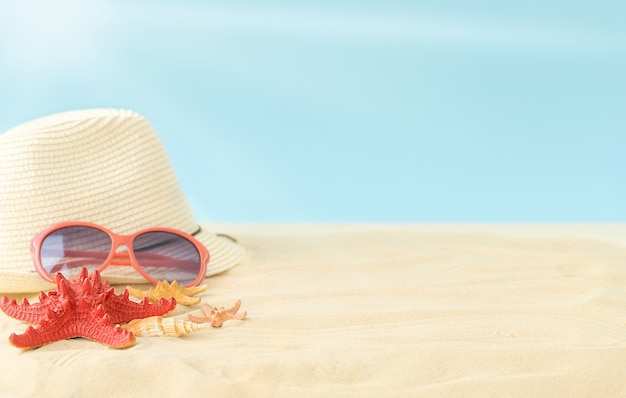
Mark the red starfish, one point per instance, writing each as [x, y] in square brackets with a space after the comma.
[80, 307]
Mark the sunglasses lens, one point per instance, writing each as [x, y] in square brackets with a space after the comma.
[164, 255]
[68, 249]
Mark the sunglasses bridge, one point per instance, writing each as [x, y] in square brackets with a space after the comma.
[121, 257]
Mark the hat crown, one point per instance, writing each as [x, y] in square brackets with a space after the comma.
[105, 166]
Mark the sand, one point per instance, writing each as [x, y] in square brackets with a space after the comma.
[376, 310]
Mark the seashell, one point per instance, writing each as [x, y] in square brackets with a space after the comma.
[158, 326]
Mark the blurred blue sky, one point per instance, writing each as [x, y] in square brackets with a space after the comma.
[342, 111]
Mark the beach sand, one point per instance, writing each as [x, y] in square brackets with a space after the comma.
[376, 310]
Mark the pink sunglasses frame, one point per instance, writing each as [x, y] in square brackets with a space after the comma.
[115, 258]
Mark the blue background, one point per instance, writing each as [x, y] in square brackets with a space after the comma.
[342, 111]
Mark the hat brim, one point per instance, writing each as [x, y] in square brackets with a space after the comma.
[224, 253]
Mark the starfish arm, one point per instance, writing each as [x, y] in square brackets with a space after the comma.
[36, 337]
[101, 329]
[121, 310]
[210, 311]
[223, 316]
[31, 313]
[68, 325]
[190, 291]
[209, 314]
[54, 327]
[217, 316]
[233, 310]
[166, 290]
[137, 293]
[186, 300]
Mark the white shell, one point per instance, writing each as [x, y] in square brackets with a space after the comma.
[159, 326]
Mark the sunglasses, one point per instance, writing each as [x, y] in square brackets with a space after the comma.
[156, 253]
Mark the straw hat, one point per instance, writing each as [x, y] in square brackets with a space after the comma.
[105, 166]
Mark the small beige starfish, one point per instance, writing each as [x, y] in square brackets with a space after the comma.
[164, 289]
[217, 316]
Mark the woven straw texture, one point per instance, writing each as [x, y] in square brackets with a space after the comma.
[104, 166]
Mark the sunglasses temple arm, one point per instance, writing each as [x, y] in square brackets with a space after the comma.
[157, 260]
[146, 259]
[87, 259]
